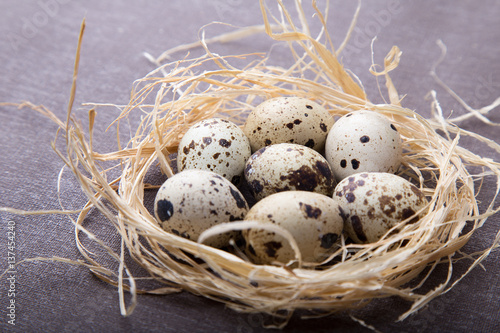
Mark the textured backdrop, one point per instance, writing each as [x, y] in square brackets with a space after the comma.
[38, 41]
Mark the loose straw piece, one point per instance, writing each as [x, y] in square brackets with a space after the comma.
[223, 38]
[478, 113]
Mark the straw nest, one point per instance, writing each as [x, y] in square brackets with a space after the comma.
[178, 94]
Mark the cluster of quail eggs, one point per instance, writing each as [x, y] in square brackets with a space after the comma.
[312, 175]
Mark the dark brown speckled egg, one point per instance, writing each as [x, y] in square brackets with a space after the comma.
[363, 141]
[216, 145]
[313, 220]
[288, 167]
[288, 120]
[374, 202]
[192, 201]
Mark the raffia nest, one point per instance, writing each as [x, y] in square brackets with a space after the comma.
[183, 95]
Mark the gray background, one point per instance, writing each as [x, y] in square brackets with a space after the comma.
[37, 48]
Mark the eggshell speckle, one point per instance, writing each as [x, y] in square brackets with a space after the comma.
[374, 202]
[192, 201]
[288, 120]
[287, 167]
[363, 141]
[313, 219]
[216, 145]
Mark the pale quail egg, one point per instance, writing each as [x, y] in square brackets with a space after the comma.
[192, 201]
[288, 119]
[216, 145]
[363, 141]
[313, 219]
[374, 202]
[287, 167]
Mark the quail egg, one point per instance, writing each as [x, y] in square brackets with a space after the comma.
[374, 202]
[288, 119]
[363, 141]
[313, 219]
[192, 201]
[287, 167]
[216, 145]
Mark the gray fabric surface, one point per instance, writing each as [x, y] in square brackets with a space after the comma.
[38, 42]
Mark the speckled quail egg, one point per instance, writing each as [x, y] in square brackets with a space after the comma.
[288, 167]
[216, 145]
[374, 202]
[313, 219]
[288, 119]
[192, 201]
[363, 141]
